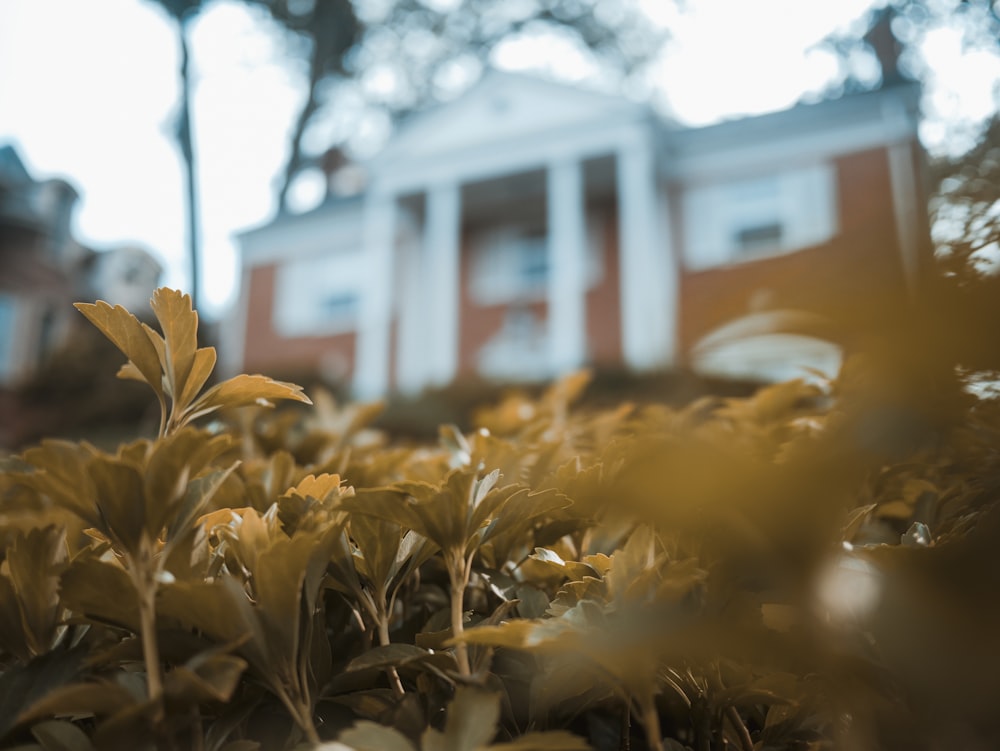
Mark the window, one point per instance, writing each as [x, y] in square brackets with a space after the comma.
[7, 331]
[519, 350]
[532, 268]
[512, 265]
[728, 222]
[318, 296]
[340, 306]
[762, 237]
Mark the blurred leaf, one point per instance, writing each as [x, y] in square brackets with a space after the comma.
[370, 736]
[21, 686]
[553, 740]
[389, 655]
[470, 722]
[211, 677]
[59, 735]
[99, 698]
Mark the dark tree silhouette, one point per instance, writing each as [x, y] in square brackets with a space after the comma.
[329, 30]
[182, 12]
[418, 42]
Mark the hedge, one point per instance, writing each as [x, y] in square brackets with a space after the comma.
[810, 567]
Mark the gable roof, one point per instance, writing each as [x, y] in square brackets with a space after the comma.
[12, 169]
[502, 107]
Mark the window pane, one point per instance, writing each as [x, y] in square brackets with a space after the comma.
[6, 337]
[759, 237]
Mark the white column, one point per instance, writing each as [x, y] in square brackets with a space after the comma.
[903, 179]
[442, 246]
[232, 354]
[371, 367]
[567, 283]
[649, 276]
[411, 344]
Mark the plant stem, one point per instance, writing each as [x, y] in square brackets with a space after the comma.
[308, 726]
[625, 732]
[391, 672]
[300, 712]
[651, 721]
[145, 584]
[458, 576]
[746, 742]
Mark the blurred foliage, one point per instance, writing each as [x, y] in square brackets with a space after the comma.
[897, 28]
[426, 49]
[813, 566]
[967, 207]
[182, 13]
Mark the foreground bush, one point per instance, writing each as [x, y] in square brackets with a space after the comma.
[813, 567]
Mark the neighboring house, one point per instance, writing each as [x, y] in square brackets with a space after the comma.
[529, 227]
[43, 269]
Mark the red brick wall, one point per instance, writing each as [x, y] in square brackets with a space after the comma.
[479, 323]
[862, 260]
[604, 328]
[268, 352]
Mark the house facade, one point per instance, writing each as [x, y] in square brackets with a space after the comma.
[529, 228]
[43, 270]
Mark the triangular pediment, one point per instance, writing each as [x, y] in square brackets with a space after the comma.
[502, 107]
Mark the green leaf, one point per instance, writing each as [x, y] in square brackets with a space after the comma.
[62, 475]
[13, 638]
[546, 635]
[574, 570]
[100, 698]
[34, 561]
[179, 324]
[244, 391]
[390, 655]
[212, 677]
[471, 722]
[201, 370]
[102, 592]
[126, 332]
[198, 493]
[241, 745]
[121, 498]
[389, 504]
[222, 611]
[173, 462]
[23, 685]
[378, 542]
[523, 507]
[287, 580]
[556, 740]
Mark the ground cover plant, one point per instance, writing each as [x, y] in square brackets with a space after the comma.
[811, 567]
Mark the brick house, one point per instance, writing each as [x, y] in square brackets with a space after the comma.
[44, 269]
[530, 227]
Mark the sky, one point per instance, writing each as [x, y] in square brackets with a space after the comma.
[88, 92]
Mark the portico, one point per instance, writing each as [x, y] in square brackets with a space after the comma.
[508, 126]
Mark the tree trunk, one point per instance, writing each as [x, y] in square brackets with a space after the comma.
[186, 143]
[295, 143]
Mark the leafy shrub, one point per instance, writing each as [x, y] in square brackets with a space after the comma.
[809, 567]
